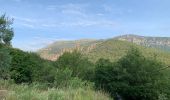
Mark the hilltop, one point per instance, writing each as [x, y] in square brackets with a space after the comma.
[56, 49]
[112, 49]
[162, 43]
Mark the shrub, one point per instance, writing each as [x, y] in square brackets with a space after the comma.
[62, 78]
[79, 65]
[5, 60]
[133, 77]
[21, 65]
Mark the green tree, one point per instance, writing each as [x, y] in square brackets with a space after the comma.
[76, 62]
[6, 32]
[5, 60]
[21, 66]
[133, 77]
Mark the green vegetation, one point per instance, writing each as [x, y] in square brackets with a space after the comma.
[61, 46]
[5, 60]
[47, 80]
[121, 69]
[79, 64]
[6, 32]
[34, 78]
[133, 77]
[115, 49]
[112, 49]
[34, 92]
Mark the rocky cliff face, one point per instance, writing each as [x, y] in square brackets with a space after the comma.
[55, 50]
[154, 42]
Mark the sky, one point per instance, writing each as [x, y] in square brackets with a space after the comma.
[38, 23]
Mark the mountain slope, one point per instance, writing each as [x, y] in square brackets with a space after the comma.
[162, 43]
[112, 49]
[56, 49]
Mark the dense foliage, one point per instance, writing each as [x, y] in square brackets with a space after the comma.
[5, 61]
[6, 32]
[81, 67]
[133, 77]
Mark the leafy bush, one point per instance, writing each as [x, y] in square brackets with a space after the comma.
[5, 60]
[79, 65]
[133, 77]
[64, 79]
[20, 66]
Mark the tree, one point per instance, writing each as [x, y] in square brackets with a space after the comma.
[133, 77]
[5, 60]
[21, 66]
[6, 32]
[76, 62]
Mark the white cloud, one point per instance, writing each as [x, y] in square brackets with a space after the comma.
[112, 9]
[77, 23]
[17, 0]
[30, 20]
[74, 15]
[69, 9]
[37, 43]
[52, 7]
[28, 25]
[116, 10]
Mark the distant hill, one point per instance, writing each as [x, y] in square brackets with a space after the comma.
[57, 48]
[162, 43]
[112, 49]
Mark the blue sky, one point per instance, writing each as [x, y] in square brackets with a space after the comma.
[40, 22]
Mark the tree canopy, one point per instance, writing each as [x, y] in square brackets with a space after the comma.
[133, 77]
[6, 31]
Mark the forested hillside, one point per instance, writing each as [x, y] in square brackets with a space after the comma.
[92, 70]
[26, 76]
[112, 49]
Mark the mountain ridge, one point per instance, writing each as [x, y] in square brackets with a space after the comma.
[106, 48]
[162, 43]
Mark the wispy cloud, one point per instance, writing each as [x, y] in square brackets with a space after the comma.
[26, 22]
[42, 23]
[86, 23]
[71, 15]
[52, 7]
[67, 6]
[17, 0]
[69, 9]
[110, 8]
[24, 19]
[37, 42]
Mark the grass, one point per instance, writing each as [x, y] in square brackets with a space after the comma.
[26, 92]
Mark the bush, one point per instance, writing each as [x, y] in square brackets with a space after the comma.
[64, 79]
[28, 67]
[79, 65]
[21, 66]
[133, 77]
[5, 60]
